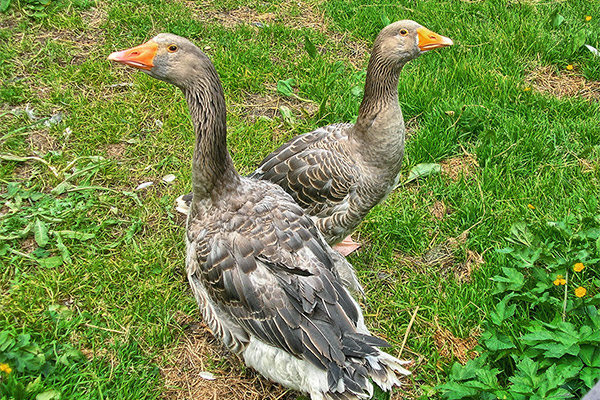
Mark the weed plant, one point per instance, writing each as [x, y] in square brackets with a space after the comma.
[542, 341]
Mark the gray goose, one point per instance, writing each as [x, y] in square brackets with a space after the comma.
[266, 282]
[337, 173]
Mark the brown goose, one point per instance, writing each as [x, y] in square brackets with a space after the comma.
[339, 172]
[265, 280]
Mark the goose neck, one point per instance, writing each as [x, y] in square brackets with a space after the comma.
[212, 166]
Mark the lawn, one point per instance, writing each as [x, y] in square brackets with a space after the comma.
[95, 303]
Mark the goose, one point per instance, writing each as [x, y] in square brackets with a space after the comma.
[266, 282]
[337, 173]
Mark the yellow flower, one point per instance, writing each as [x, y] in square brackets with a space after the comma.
[527, 89]
[580, 291]
[5, 368]
[569, 67]
[560, 280]
[578, 267]
[531, 206]
[588, 18]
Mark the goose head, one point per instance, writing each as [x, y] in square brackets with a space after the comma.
[167, 57]
[405, 40]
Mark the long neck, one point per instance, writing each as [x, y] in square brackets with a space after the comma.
[381, 91]
[212, 167]
[378, 134]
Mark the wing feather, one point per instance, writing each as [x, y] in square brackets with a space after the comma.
[314, 168]
[271, 272]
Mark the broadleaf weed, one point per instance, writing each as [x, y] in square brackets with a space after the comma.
[543, 338]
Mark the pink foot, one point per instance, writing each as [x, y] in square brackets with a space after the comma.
[346, 246]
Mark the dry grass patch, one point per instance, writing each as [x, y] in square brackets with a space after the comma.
[232, 18]
[547, 80]
[461, 166]
[450, 346]
[462, 271]
[256, 106]
[267, 105]
[444, 257]
[28, 245]
[198, 353]
[411, 126]
[346, 47]
[439, 210]
[115, 151]
[23, 171]
[588, 166]
[282, 13]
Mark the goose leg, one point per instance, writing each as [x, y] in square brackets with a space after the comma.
[346, 246]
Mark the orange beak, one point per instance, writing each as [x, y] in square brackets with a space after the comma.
[429, 40]
[140, 57]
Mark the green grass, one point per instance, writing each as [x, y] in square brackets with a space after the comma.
[124, 286]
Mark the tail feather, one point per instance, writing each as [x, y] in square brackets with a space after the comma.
[390, 372]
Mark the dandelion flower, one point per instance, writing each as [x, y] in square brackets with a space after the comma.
[588, 18]
[570, 67]
[531, 206]
[578, 267]
[560, 280]
[580, 291]
[527, 89]
[5, 368]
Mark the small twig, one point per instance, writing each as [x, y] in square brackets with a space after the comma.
[104, 329]
[410, 324]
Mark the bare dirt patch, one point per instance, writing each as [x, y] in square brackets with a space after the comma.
[547, 80]
[116, 151]
[451, 257]
[439, 210]
[460, 166]
[411, 126]
[23, 171]
[261, 105]
[28, 245]
[199, 352]
[309, 18]
[42, 142]
[462, 271]
[449, 346]
[443, 254]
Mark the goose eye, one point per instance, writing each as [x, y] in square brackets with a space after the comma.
[403, 32]
[172, 48]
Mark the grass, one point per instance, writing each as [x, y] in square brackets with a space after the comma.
[488, 109]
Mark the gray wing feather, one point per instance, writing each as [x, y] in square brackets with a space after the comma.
[314, 168]
[275, 278]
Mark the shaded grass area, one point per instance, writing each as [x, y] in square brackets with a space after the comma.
[471, 104]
